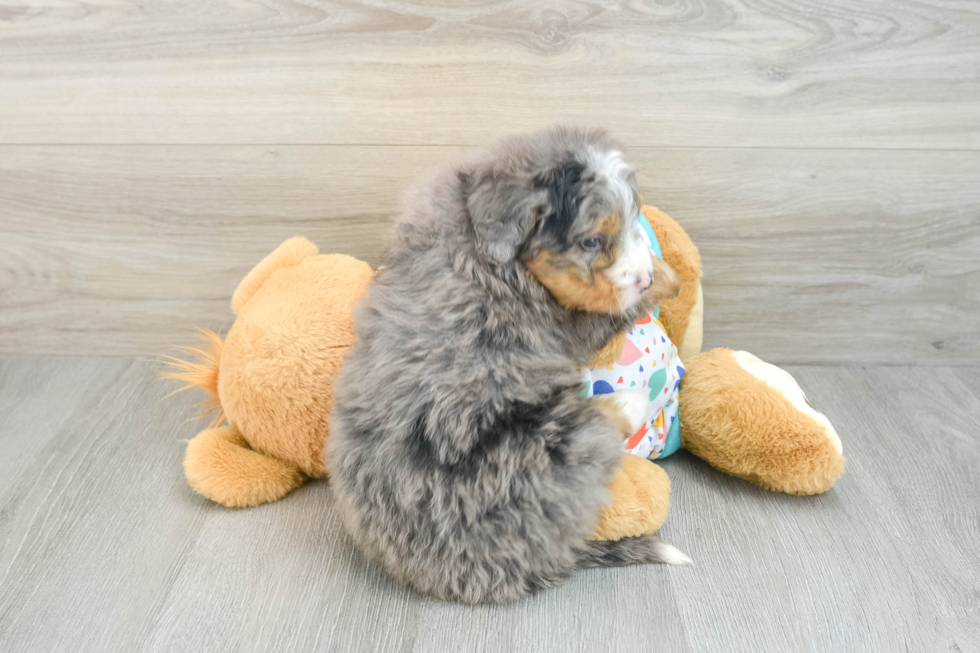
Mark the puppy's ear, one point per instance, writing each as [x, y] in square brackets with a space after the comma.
[504, 210]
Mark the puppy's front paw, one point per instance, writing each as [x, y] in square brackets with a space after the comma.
[633, 404]
[626, 408]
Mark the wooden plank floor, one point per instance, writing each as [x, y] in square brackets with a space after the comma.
[103, 547]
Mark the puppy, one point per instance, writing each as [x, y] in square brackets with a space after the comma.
[461, 452]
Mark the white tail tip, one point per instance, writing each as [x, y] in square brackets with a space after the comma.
[671, 555]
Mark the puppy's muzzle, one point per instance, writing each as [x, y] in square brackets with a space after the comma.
[644, 279]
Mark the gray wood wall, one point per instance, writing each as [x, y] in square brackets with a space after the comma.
[825, 156]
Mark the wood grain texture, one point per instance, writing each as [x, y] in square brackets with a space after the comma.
[810, 256]
[103, 547]
[813, 73]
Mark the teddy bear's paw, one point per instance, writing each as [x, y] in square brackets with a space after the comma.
[220, 465]
[784, 383]
[640, 500]
[750, 419]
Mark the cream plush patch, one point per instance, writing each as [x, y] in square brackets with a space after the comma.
[784, 383]
[693, 336]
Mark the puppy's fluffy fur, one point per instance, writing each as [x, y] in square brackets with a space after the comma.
[462, 454]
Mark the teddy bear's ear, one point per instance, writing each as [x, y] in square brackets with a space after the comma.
[683, 315]
[292, 252]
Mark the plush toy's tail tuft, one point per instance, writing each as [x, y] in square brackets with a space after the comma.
[201, 372]
[292, 252]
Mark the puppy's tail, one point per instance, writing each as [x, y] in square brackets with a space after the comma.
[642, 550]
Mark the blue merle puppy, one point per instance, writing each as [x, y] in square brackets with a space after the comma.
[462, 454]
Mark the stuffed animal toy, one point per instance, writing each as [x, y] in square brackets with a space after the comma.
[271, 379]
[740, 414]
[271, 383]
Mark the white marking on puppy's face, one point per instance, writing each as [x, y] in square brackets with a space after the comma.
[632, 272]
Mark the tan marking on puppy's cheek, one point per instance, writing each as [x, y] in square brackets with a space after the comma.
[604, 297]
[572, 291]
[603, 260]
[613, 254]
[565, 286]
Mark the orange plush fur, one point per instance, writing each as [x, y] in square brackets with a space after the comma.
[610, 353]
[640, 490]
[641, 499]
[200, 373]
[273, 375]
[737, 423]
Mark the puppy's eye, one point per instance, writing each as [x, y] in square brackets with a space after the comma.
[592, 244]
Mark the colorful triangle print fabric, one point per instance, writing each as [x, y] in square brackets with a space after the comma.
[649, 362]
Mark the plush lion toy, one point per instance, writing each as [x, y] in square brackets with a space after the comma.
[271, 379]
[271, 383]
